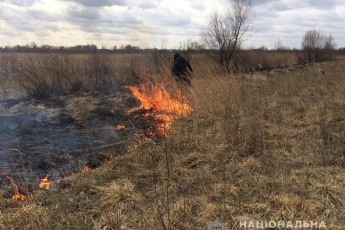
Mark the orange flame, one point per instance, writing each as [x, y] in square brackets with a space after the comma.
[44, 183]
[155, 96]
[86, 169]
[118, 127]
[16, 195]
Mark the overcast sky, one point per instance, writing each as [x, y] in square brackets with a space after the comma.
[157, 23]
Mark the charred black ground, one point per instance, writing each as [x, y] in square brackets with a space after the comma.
[59, 136]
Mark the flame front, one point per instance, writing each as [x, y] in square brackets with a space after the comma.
[166, 107]
[86, 169]
[16, 195]
[44, 183]
[118, 127]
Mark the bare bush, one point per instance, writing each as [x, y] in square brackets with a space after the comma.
[317, 47]
[225, 33]
[42, 77]
[46, 75]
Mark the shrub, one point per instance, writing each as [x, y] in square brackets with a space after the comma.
[317, 47]
[42, 77]
[46, 75]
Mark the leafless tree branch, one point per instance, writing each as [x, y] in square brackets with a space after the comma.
[225, 33]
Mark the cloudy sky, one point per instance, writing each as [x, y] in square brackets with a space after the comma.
[158, 23]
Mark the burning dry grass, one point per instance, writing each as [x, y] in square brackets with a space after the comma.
[256, 147]
[166, 107]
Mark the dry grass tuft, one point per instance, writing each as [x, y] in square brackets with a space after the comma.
[119, 192]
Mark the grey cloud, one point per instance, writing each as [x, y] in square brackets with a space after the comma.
[43, 16]
[285, 19]
[18, 21]
[84, 12]
[265, 13]
[147, 4]
[289, 20]
[263, 28]
[96, 20]
[11, 33]
[53, 27]
[322, 4]
[175, 22]
[276, 6]
[144, 4]
[260, 2]
[22, 25]
[42, 33]
[99, 3]
[281, 5]
[26, 19]
[20, 2]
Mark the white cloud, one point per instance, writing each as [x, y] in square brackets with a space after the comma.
[148, 22]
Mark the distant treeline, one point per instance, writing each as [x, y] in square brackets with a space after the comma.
[73, 49]
[91, 48]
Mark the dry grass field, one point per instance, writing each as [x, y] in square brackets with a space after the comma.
[263, 145]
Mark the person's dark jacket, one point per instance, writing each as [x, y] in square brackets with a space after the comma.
[181, 69]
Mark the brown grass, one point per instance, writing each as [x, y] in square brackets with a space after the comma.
[46, 75]
[251, 60]
[260, 146]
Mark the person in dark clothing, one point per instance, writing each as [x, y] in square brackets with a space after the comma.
[181, 69]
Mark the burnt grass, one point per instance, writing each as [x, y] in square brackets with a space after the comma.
[259, 146]
[46, 137]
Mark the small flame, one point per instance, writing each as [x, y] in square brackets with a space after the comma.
[44, 183]
[155, 96]
[86, 169]
[118, 127]
[16, 195]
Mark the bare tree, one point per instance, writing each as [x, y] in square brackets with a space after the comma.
[317, 47]
[225, 33]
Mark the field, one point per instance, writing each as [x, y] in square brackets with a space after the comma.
[267, 144]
